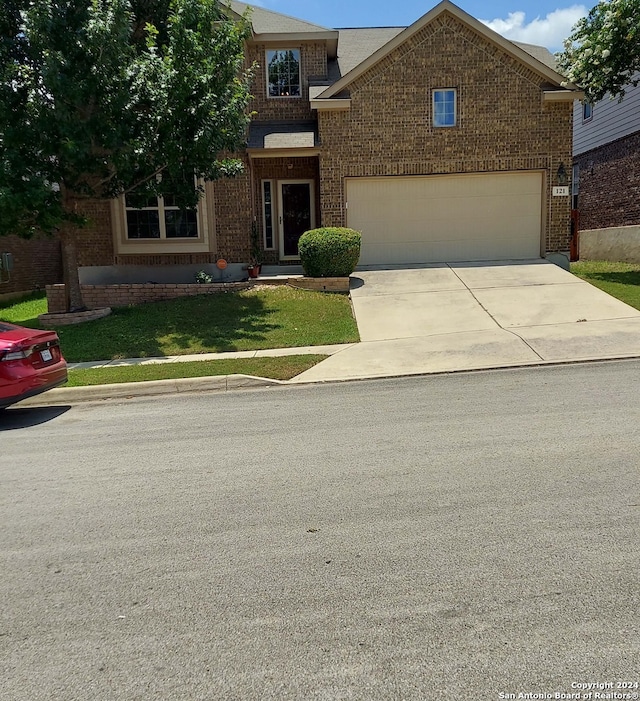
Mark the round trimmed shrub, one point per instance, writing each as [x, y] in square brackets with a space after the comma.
[330, 251]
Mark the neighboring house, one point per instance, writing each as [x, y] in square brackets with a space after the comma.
[606, 177]
[441, 141]
[37, 262]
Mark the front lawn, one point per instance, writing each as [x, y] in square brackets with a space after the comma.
[620, 280]
[268, 317]
[24, 311]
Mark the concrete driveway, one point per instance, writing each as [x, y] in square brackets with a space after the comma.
[464, 316]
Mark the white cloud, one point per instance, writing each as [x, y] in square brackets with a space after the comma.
[549, 31]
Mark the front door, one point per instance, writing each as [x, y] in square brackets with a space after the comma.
[297, 214]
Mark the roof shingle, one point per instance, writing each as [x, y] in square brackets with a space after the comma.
[354, 44]
[268, 22]
[279, 134]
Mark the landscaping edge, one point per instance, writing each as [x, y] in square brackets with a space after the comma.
[103, 296]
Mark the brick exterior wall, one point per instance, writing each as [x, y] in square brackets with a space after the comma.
[609, 191]
[232, 226]
[233, 216]
[95, 245]
[313, 60]
[100, 296]
[503, 124]
[37, 262]
[167, 259]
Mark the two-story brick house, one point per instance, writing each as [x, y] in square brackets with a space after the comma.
[439, 141]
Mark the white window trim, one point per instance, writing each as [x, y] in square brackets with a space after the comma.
[433, 108]
[274, 227]
[586, 120]
[266, 63]
[204, 243]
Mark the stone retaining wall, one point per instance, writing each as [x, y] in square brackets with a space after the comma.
[100, 296]
[52, 321]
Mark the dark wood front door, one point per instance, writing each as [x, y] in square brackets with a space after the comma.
[297, 214]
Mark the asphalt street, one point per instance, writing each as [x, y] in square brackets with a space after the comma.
[453, 537]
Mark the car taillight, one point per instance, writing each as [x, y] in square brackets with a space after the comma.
[17, 354]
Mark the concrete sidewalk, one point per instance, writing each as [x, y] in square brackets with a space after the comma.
[268, 353]
[212, 383]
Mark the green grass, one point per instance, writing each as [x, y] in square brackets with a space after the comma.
[283, 368]
[24, 311]
[278, 317]
[620, 280]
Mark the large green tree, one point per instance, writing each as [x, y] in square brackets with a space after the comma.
[602, 54]
[104, 97]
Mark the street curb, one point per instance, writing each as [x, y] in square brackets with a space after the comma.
[462, 371]
[228, 383]
[151, 388]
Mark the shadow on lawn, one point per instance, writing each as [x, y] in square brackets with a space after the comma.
[628, 277]
[206, 323]
[33, 323]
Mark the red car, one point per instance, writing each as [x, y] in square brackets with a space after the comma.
[30, 363]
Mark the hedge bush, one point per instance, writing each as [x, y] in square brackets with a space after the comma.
[329, 251]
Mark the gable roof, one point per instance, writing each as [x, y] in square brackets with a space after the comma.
[273, 26]
[352, 51]
[540, 53]
[357, 44]
[268, 22]
[530, 56]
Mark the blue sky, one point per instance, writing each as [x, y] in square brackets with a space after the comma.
[544, 22]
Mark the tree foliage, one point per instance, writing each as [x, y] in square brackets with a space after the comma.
[602, 54]
[27, 200]
[99, 97]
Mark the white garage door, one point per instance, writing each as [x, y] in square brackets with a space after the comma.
[438, 218]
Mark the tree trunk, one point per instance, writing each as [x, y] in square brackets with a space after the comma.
[68, 240]
[71, 278]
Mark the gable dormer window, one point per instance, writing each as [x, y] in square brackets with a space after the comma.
[283, 73]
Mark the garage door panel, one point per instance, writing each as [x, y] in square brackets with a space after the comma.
[441, 218]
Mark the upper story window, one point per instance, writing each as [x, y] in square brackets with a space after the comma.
[444, 107]
[587, 111]
[283, 73]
